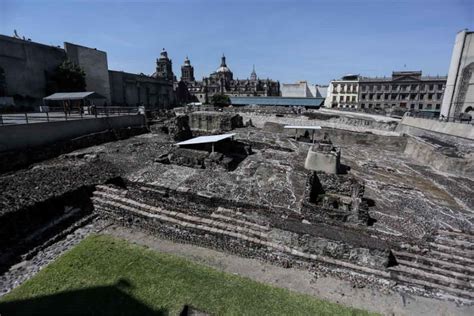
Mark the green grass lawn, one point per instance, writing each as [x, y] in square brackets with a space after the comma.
[104, 275]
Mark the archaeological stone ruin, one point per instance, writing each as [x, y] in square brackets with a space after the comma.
[353, 204]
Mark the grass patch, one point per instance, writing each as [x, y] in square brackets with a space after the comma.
[105, 275]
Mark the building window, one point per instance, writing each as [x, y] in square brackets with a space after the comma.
[362, 106]
[378, 96]
[386, 97]
[429, 106]
[393, 104]
[440, 87]
[431, 87]
[422, 96]
[379, 87]
[422, 87]
[412, 106]
[370, 105]
[371, 96]
[439, 96]
[353, 98]
[420, 106]
[341, 98]
[386, 87]
[334, 98]
[430, 96]
[438, 106]
[364, 96]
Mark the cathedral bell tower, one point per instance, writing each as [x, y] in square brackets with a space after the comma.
[164, 68]
[187, 71]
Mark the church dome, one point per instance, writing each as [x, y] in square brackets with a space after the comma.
[223, 68]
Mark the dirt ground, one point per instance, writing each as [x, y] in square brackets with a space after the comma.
[302, 281]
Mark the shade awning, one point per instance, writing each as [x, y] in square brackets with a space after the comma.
[206, 139]
[74, 96]
[302, 127]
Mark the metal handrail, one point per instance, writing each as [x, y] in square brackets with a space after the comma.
[60, 115]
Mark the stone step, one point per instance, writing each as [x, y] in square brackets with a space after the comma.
[242, 216]
[467, 294]
[419, 274]
[238, 219]
[447, 265]
[121, 202]
[466, 253]
[457, 235]
[109, 207]
[468, 277]
[456, 257]
[109, 189]
[456, 243]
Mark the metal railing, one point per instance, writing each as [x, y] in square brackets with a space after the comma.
[59, 114]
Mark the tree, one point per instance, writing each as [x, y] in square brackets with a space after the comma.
[68, 77]
[220, 100]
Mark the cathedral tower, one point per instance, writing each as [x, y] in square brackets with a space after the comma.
[164, 68]
[187, 71]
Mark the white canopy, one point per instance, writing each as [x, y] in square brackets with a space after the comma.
[206, 139]
[302, 127]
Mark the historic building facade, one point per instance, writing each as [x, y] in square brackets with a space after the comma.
[405, 90]
[222, 81]
[343, 93]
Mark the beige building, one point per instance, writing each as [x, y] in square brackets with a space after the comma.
[343, 93]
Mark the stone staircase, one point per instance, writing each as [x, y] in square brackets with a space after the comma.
[222, 221]
[446, 265]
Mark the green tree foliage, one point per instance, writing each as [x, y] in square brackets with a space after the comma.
[220, 100]
[68, 77]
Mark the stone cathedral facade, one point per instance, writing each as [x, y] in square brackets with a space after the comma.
[222, 82]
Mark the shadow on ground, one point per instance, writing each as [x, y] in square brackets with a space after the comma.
[101, 300]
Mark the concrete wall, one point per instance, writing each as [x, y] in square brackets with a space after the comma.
[446, 128]
[299, 90]
[459, 92]
[27, 65]
[94, 64]
[18, 137]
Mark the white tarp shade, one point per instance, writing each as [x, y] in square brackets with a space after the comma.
[205, 139]
[302, 127]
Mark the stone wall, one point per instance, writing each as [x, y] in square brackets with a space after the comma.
[443, 159]
[214, 122]
[338, 122]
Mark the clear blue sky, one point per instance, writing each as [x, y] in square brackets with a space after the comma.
[286, 40]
